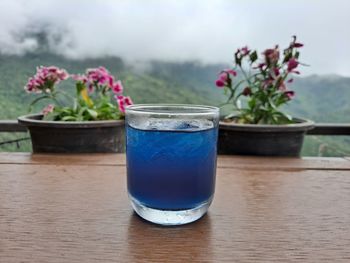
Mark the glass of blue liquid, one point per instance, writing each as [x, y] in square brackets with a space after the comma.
[171, 161]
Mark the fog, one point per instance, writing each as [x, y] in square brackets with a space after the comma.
[206, 30]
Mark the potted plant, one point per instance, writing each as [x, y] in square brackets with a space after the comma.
[91, 121]
[257, 125]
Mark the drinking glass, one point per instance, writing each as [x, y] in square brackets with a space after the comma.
[171, 161]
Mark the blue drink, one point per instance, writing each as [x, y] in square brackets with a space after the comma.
[171, 166]
[171, 170]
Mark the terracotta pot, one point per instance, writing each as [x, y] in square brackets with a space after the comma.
[263, 140]
[74, 137]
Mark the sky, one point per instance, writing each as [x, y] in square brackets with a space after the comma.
[204, 30]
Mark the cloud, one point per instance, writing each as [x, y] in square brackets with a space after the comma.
[13, 21]
[205, 30]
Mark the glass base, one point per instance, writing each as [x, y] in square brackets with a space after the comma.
[169, 217]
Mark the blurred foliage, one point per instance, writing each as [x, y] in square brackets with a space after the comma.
[336, 146]
[323, 99]
[15, 142]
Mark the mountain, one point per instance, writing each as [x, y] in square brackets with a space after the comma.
[143, 87]
[320, 98]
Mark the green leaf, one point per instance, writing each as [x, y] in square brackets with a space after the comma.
[231, 115]
[68, 118]
[283, 118]
[239, 104]
[272, 104]
[287, 56]
[92, 113]
[252, 103]
[253, 56]
[79, 116]
[111, 105]
[290, 118]
[75, 105]
[238, 59]
[79, 86]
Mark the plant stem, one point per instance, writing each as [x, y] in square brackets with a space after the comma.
[65, 95]
[247, 78]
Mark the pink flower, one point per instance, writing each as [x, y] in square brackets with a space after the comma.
[33, 86]
[297, 45]
[290, 81]
[272, 56]
[290, 94]
[219, 83]
[123, 102]
[91, 88]
[92, 75]
[231, 72]
[282, 87]
[81, 78]
[100, 76]
[101, 80]
[48, 109]
[103, 69]
[245, 50]
[104, 80]
[52, 73]
[45, 79]
[84, 79]
[117, 87]
[292, 64]
[223, 77]
[267, 82]
[260, 66]
[110, 81]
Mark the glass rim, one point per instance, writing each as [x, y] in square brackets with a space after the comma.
[170, 109]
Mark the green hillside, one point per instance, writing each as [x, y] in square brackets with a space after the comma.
[321, 98]
[144, 88]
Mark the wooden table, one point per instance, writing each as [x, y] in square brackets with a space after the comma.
[58, 208]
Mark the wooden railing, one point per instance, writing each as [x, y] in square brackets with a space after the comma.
[330, 129]
[11, 126]
[320, 128]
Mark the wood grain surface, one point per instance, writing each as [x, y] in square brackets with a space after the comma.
[75, 209]
[241, 162]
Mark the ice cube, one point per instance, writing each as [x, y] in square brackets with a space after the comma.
[172, 124]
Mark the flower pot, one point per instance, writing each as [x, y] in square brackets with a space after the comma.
[263, 140]
[74, 137]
